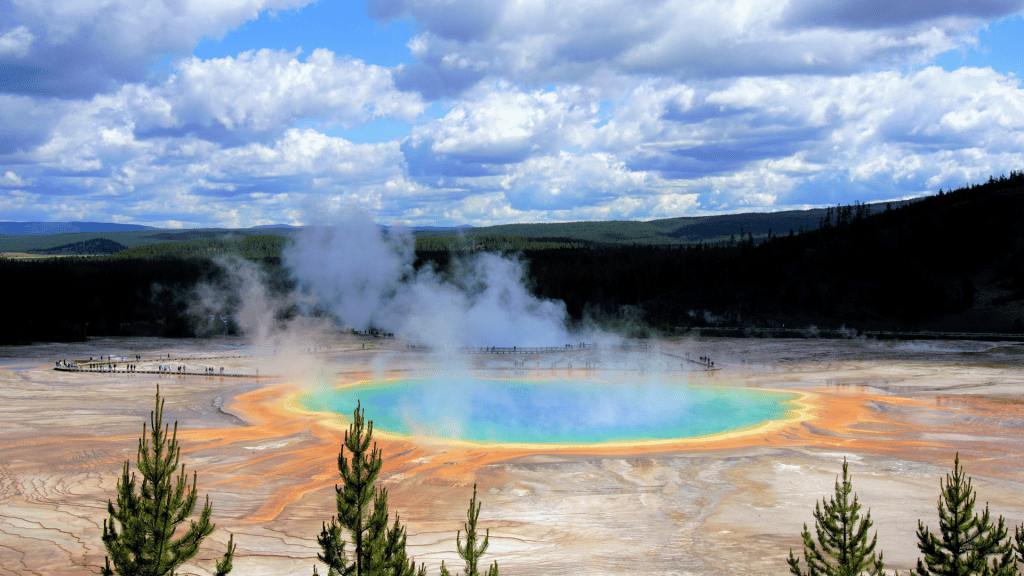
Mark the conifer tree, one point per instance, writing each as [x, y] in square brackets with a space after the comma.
[471, 552]
[842, 547]
[968, 541]
[1018, 537]
[398, 563]
[145, 544]
[377, 551]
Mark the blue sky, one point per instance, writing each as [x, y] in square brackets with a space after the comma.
[443, 112]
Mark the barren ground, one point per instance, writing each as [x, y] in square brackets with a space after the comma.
[731, 505]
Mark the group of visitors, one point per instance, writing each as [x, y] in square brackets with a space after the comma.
[183, 369]
[112, 365]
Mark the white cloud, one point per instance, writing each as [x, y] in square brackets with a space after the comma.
[571, 181]
[184, 151]
[26, 122]
[308, 153]
[16, 42]
[642, 117]
[93, 156]
[225, 100]
[11, 180]
[270, 90]
[78, 47]
[508, 126]
[21, 202]
[608, 42]
[755, 143]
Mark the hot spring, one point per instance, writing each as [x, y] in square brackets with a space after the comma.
[554, 411]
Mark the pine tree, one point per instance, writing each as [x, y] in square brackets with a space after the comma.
[842, 547]
[377, 551]
[471, 552]
[145, 544]
[968, 541]
[399, 564]
[1018, 537]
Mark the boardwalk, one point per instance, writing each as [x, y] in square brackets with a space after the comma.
[165, 366]
[526, 350]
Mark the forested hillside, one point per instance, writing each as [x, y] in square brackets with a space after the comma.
[951, 262]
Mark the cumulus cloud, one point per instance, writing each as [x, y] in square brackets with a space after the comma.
[270, 90]
[229, 101]
[77, 48]
[241, 140]
[261, 94]
[750, 143]
[93, 162]
[16, 42]
[538, 110]
[594, 43]
[27, 122]
[572, 181]
[501, 127]
[859, 125]
[307, 151]
[11, 180]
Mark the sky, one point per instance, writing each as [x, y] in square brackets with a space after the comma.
[236, 113]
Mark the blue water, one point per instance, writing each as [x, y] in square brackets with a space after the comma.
[556, 412]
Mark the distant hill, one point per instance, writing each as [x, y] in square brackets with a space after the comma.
[19, 228]
[200, 234]
[94, 247]
[36, 243]
[439, 228]
[685, 230]
[951, 263]
[251, 247]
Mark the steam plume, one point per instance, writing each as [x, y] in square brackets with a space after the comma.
[366, 279]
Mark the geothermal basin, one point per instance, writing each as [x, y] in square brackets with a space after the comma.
[727, 503]
[604, 408]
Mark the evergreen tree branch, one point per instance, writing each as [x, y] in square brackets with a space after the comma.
[149, 512]
[839, 546]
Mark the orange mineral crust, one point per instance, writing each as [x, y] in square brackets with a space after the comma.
[732, 502]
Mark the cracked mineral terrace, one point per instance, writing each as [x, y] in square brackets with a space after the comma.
[733, 503]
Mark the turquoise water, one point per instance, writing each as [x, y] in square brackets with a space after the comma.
[556, 412]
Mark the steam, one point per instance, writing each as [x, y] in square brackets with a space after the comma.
[357, 276]
[366, 280]
[242, 300]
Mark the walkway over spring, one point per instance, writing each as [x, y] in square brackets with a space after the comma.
[165, 366]
[526, 350]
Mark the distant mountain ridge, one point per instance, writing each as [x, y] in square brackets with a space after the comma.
[94, 247]
[663, 231]
[20, 228]
[951, 263]
[687, 230]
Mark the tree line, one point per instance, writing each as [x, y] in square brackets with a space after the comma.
[71, 299]
[950, 262]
